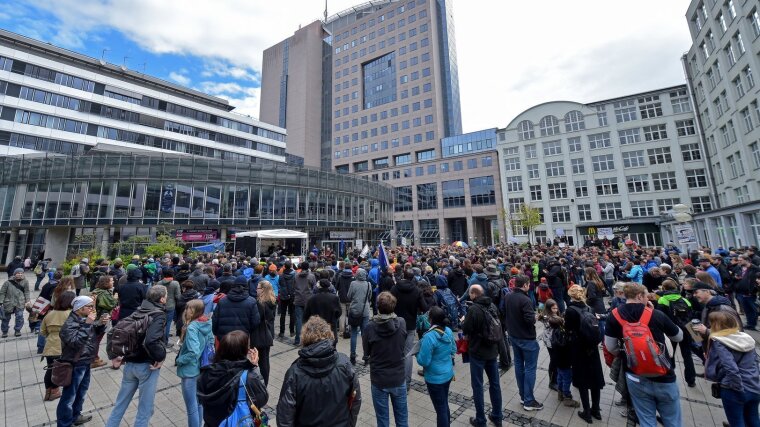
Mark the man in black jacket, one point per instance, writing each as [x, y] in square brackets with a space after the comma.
[342, 283]
[483, 354]
[286, 294]
[384, 341]
[745, 289]
[142, 369]
[237, 311]
[555, 280]
[324, 304]
[521, 326]
[410, 302]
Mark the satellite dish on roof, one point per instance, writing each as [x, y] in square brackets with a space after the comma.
[102, 62]
[123, 68]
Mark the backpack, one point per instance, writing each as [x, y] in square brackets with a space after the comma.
[129, 334]
[38, 269]
[241, 412]
[492, 331]
[588, 332]
[558, 338]
[207, 356]
[450, 304]
[680, 311]
[76, 271]
[643, 355]
[104, 301]
[494, 290]
[503, 299]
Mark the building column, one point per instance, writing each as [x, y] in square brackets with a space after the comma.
[470, 237]
[104, 241]
[12, 246]
[223, 235]
[57, 244]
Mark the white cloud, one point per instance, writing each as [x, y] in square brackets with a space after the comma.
[179, 78]
[511, 54]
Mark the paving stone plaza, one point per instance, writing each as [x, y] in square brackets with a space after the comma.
[22, 390]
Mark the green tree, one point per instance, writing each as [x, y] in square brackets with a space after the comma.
[164, 243]
[530, 218]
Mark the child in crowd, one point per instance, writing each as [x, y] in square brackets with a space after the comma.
[544, 294]
[556, 341]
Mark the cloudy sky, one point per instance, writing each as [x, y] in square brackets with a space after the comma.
[511, 54]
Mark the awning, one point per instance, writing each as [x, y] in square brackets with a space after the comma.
[273, 234]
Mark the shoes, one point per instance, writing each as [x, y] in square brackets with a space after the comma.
[553, 386]
[281, 335]
[596, 414]
[585, 416]
[533, 406]
[346, 335]
[97, 363]
[624, 413]
[17, 334]
[691, 385]
[473, 422]
[621, 402]
[421, 372]
[81, 419]
[5, 335]
[365, 359]
[292, 334]
[700, 374]
[296, 343]
[52, 394]
[505, 367]
[569, 402]
[495, 421]
[353, 359]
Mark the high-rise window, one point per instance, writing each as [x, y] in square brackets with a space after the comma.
[664, 205]
[610, 211]
[560, 213]
[578, 166]
[453, 193]
[637, 183]
[514, 183]
[606, 186]
[625, 111]
[650, 107]
[655, 132]
[581, 188]
[629, 136]
[525, 130]
[642, 208]
[380, 80]
[599, 140]
[574, 144]
[403, 199]
[679, 100]
[549, 125]
[530, 151]
[701, 204]
[659, 155]
[482, 191]
[427, 196]
[685, 127]
[633, 159]
[533, 172]
[696, 178]
[584, 212]
[535, 193]
[574, 121]
[558, 191]
[552, 148]
[664, 181]
[691, 152]
[512, 163]
[603, 162]
[555, 168]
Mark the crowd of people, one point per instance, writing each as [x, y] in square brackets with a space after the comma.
[628, 307]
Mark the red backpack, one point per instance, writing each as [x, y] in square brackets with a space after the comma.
[644, 356]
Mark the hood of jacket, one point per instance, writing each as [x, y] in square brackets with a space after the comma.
[405, 286]
[457, 272]
[481, 278]
[671, 296]
[290, 274]
[318, 359]
[197, 272]
[148, 305]
[718, 300]
[203, 324]
[441, 282]
[361, 275]
[385, 324]
[739, 341]
[347, 273]
[238, 293]
[218, 379]
[303, 273]
[374, 263]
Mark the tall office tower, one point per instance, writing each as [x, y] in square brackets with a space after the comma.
[390, 100]
[721, 68]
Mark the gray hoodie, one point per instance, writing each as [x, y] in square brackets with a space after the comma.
[360, 292]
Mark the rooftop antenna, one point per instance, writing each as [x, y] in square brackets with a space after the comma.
[124, 64]
[144, 66]
[325, 10]
[103, 56]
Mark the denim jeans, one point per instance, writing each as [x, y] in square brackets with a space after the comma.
[558, 295]
[169, 317]
[299, 323]
[564, 380]
[740, 407]
[355, 331]
[285, 307]
[526, 359]
[37, 282]
[193, 407]
[649, 398]
[750, 310]
[439, 395]
[491, 368]
[137, 376]
[409, 359]
[19, 322]
[398, 400]
[72, 398]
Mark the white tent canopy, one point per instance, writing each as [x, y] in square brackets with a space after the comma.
[273, 234]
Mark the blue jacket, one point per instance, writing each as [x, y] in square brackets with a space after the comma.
[713, 272]
[436, 351]
[374, 272]
[732, 362]
[275, 281]
[636, 275]
[189, 358]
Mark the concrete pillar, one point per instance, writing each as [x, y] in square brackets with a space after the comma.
[56, 244]
[104, 241]
[470, 237]
[223, 235]
[12, 246]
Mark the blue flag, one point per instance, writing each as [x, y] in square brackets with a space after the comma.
[381, 257]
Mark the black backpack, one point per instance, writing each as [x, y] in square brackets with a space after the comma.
[588, 331]
[128, 336]
[494, 290]
[680, 311]
[492, 331]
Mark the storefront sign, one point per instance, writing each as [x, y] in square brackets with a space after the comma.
[197, 235]
[620, 229]
[342, 234]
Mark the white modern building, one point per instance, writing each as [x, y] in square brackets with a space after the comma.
[621, 163]
[721, 70]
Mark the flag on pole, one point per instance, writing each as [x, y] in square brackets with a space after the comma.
[365, 251]
[382, 257]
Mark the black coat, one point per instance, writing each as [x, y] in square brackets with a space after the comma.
[554, 276]
[77, 336]
[153, 349]
[218, 387]
[317, 389]
[409, 302]
[263, 335]
[587, 365]
[323, 304]
[519, 315]
[235, 312]
[474, 326]
[383, 341]
[457, 282]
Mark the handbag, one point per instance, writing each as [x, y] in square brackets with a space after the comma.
[356, 320]
[115, 313]
[715, 390]
[41, 306]
[62, 372]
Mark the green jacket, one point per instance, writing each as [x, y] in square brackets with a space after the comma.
[13, 298]
[668, 298]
